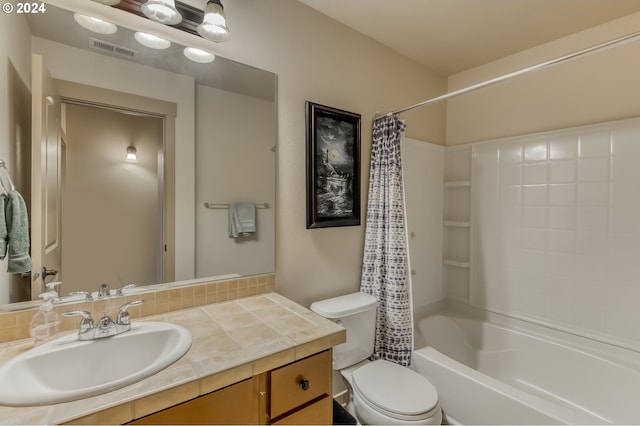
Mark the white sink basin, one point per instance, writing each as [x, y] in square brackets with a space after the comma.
[67, 369]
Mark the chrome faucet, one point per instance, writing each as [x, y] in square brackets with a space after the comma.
[105, 326]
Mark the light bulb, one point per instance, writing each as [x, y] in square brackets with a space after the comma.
[214, 24]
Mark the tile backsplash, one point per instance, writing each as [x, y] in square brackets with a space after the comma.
[165, 298]
[556, 229]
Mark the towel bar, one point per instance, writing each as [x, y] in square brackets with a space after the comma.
[226, 206]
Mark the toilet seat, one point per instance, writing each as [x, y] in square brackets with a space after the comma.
[395, 391]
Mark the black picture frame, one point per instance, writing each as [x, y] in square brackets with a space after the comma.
[333, 167]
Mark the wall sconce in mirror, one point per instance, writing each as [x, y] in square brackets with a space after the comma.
[210, 23]
[151, 41]
[94, 24]
[132, 154]
[198, 55]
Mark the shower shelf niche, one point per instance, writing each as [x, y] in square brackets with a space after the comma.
[457, 222]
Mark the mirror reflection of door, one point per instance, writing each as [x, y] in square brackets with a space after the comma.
[46, 183]
[112, 207]
[109, 211]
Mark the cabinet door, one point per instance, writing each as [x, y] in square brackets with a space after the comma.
[235, 404]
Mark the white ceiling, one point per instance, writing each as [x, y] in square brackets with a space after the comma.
[449, 36]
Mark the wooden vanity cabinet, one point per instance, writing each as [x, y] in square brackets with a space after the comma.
[296, 393]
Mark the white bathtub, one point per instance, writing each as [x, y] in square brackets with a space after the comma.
[486, 373]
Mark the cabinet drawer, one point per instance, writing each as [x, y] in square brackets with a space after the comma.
[317, 413]
[287, 390]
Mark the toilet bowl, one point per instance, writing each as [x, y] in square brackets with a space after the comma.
[382, 392]
[387, 393]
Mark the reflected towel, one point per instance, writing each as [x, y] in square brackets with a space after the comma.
[17, 221]
[242, 219]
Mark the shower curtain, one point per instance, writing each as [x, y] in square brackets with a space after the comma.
[384, 270]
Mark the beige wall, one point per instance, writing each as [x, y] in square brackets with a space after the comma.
[107, 200]
[595, 88]
[320, 60]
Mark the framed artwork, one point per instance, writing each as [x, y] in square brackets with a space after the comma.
[333, 167]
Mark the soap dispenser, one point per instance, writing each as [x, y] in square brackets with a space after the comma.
[46, 322]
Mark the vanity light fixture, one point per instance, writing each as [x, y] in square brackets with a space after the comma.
[132, 154]
[163, 11]
[214, 24]
[198, 55]
[94, 24]
[151, 41]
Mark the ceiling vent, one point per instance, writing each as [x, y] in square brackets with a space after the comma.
[114, 49]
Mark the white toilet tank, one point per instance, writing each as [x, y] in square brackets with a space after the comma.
[356, 312]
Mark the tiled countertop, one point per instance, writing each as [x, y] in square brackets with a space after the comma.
[232, 341]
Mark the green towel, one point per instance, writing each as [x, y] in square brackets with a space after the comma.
[17, 222]
[242, 219]
[4, 235]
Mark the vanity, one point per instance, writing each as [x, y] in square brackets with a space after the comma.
[261, 359]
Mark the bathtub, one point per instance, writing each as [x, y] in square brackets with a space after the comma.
[489, 373]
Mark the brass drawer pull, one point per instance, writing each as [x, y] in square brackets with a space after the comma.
[304, 383]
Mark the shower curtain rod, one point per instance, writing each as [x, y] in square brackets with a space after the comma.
[602, 46]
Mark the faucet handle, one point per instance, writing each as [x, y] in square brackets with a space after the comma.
[86, 294]
[123, 312]
[119, 292]
[86, 323]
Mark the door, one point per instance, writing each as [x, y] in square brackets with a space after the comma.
[46, 183]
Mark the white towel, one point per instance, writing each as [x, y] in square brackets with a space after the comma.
[242, 219]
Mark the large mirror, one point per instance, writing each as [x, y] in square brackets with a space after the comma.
[204, 136]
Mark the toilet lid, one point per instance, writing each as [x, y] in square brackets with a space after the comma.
[394, 388]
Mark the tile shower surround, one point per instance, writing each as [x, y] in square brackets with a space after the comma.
[556, 229]
[15, 325]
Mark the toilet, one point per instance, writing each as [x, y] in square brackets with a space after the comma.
[382, 392]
